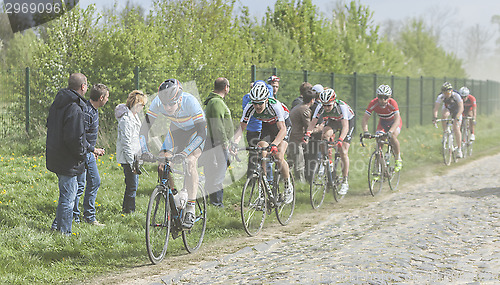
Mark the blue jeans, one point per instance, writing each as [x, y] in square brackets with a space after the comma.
[131, 184]
[68, 186]
[90, 183]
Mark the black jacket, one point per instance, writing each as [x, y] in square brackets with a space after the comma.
[66, 134]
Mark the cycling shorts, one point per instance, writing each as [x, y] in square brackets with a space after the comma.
[178, 139]
[336, 125]
[270, 131]
[385, 125]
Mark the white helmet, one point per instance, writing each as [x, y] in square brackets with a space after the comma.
[327, 96]
[318, 88]
[384, 90]
[464, 91]
[259, 93]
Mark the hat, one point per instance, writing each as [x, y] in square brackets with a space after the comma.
[318, 88]
[273, 78]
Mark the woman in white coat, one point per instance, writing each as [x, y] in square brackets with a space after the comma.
[127, 144]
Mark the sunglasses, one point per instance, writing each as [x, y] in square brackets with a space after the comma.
[258, 103]
[327, 105]
[383, 97]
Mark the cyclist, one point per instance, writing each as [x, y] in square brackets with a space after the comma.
[469, 108]
[390, 119]
[185, 138]
[453, 105]
[275, 129]
[338, 116]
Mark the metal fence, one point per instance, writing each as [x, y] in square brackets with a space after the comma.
[23, 108]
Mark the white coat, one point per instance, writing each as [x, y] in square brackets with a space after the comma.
[127, 141]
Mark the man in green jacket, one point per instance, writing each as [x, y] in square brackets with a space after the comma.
[218, 143]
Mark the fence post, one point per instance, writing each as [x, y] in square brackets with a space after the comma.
[374, 118]
[408, 102]
[253, 73]
[306, 76]
[136, 78]
[355, 91]
[275, 71]
[27, 91]
[488, 108]
[332, 80]
[421, 100]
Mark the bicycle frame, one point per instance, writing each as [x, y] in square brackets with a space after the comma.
[448, 146]
[466, 136]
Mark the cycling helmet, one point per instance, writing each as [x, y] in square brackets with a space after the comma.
[318, 88]
[170, 90]
[327, 96]
[259, 93]
[384, 90]
[464, 91]
[446, 86]
[273, 78]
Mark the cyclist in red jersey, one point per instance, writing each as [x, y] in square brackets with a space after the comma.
[390, 119]
[469, 108]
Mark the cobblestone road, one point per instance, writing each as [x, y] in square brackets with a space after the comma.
[443, 231]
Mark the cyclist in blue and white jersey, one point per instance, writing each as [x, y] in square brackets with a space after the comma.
[186, 137]
[276, 126]
[337, 115]
[454, 106]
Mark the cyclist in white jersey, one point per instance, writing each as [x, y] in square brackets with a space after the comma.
[185, 138]
[337, 115]
[275, 129]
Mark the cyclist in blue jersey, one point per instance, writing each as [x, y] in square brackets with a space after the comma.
[275, 129]
[185, 138]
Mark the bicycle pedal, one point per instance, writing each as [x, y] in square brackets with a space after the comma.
[175, 234]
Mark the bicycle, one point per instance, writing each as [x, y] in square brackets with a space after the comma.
[258, 198]
[382, 164]
[448, 147]
[466, 136]
[326, 175]
[164, 217]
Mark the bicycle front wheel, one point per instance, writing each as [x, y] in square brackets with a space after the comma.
[393, 176]
[193, 237]
[284, 209]
[465, 138]
[158, 224]
[253, 206]
[337, 179]
[318, 185]
[375, 177]
[447, 150]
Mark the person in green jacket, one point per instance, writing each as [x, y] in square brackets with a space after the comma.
[218, 143]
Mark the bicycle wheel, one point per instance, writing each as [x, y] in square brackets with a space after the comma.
[194, 237]
[253, 206]
[375, 177]
[158, 224]
[337, 179]
[452, 147]
[284, 211]
[393, 176]
[447, 150]
[318, 185]
[465, 138]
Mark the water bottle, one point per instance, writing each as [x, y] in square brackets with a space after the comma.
[180, 199]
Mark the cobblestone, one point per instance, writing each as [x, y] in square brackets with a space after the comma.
[443, 231]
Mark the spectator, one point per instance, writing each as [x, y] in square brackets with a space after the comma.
[274, 81]
[91, 181]
[300, 117]
[127, 144]
[303, 88]
[65, 146]
[218, 146]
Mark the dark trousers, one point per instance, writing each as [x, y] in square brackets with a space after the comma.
[131, 184]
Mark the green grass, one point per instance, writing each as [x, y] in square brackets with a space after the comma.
[29, 193]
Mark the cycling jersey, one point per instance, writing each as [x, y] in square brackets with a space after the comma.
[188, 114]
[189, 120]
[450, 103]
[385, 113]
[339, 111]
[275, 111]
[469, 104]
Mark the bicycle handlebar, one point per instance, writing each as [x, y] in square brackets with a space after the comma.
[375, 136]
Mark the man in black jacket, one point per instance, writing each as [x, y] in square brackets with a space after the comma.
[65, 152]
